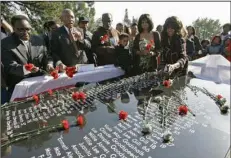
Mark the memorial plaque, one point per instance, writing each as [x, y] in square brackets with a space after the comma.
[207, 134]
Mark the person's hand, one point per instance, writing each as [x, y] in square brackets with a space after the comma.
[62, 67]
[145, 52]
[151, 53]
[49, 67]
[77, 35]
[34, 69]
[199, 52]
[169, 69]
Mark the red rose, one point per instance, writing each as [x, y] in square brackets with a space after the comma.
[29, 67]
[104, 39]
[70, 74]
[50, 92]
[36, 99]
[80, 120]
[149, 46]
[65, 124]
[219, 96]
[183, 110]
[82, 95]
[54, 74]
[75, 96]
[167, 83]
[123, 115]
[70, 71]
[152, 42]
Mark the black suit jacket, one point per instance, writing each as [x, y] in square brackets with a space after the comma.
[14, 57]
[62, 49]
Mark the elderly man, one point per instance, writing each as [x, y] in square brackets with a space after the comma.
[104, 41]
[22, 48]
[67, 43]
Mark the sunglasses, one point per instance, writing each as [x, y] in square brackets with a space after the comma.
[23, 29]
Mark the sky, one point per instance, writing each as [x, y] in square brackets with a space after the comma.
[160, 11]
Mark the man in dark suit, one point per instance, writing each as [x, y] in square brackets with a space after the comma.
[105, 50]
[87, 35]
[22, 48]
[67, 43]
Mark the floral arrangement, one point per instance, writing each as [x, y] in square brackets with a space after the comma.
[145, 60]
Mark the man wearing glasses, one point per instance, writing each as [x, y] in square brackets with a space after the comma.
[22, 48]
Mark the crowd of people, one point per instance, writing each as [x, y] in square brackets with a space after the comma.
[136, 48]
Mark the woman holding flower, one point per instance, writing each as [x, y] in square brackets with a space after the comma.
[173, 58]
[146, 46]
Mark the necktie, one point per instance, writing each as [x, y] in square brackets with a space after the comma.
[73, 41]
[27, 45]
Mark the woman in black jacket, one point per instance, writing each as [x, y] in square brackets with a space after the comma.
[193, 45]
[173, 58]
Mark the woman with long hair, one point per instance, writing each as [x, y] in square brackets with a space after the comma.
[173, 58]
[146, 46]
[193, 46]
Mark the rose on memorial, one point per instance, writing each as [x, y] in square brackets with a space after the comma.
[75, 96]
[219, 96]
[54, 74]
[82, 96]
[183, 110]
[123, 115]
[70, 71]
[104, 39]
[80, 120]
[29, 66]
[65, 124]
[167, 83]
[36, 99]
[50, 92]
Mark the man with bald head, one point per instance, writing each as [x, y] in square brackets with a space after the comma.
[104, 48]
[67, 43]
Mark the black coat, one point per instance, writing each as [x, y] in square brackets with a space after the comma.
[193, 45]
[175, 52]
[62, 48]
[15, 56]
